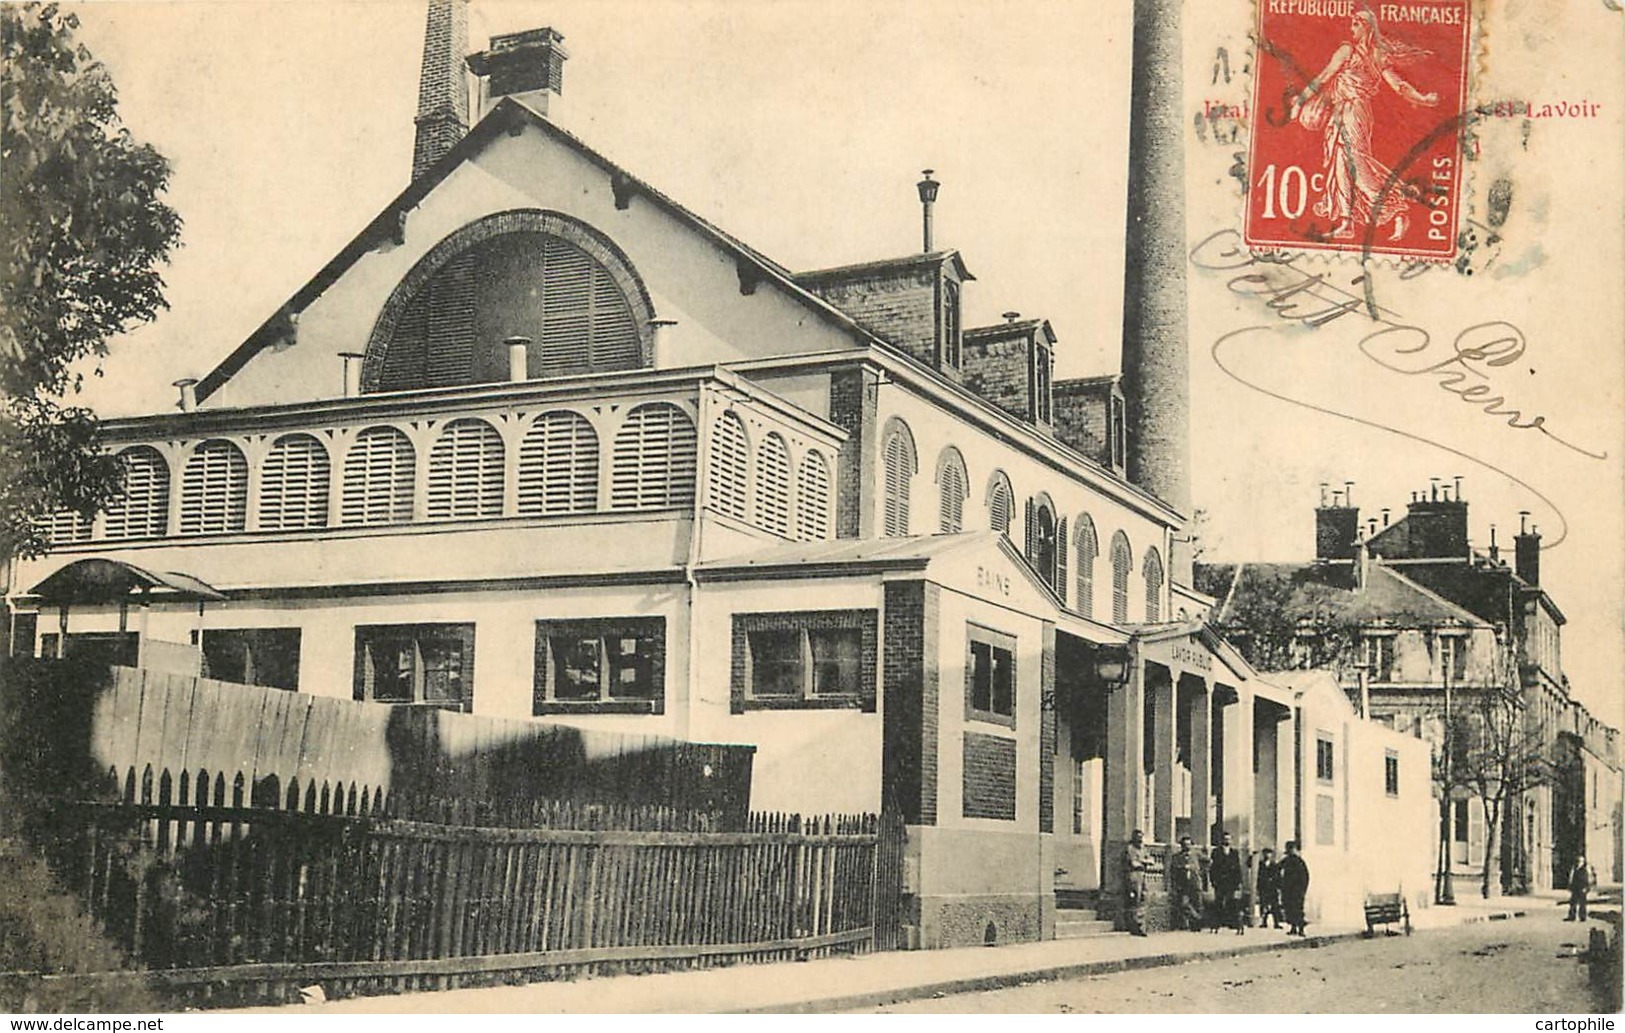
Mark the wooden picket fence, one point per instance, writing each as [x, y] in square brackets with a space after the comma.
[224, 902]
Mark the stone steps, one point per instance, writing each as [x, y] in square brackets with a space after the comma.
[1070, 928]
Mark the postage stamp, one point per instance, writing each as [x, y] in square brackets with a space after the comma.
[1357, 136]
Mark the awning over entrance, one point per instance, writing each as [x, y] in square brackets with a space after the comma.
[102, 581]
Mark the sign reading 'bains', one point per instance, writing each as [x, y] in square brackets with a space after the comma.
[1356, 143]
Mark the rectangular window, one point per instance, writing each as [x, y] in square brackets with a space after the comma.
[1378, 657]
[420, 664]
[1323, 758]
[812, 659]
[121, 648]
[608, 665]
[990, 676]
[1119, 434]
[24, 627]
[1452, 658]
[1390, 772]
[1041, 385]
[253, 656]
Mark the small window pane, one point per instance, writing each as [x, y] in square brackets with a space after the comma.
[392, 663]
[981, 692]
[1004, 682]
[632, 662]
[442, 671]
[775, 660]
[835, 655]
[576, 660]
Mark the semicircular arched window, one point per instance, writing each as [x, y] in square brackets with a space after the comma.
[1088, 549]
[558, 465]
[214, 489]
[1122, 564]
[812, 498]
[773, 486]
[531, 274]
[379, 471]
[654, 459]
[1152, 570]
[953, 486]
[465, 471]
[141, 510]
[293, 484]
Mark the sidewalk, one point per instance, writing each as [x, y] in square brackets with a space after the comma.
[846, 983]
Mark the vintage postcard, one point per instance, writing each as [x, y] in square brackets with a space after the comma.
[685, 506]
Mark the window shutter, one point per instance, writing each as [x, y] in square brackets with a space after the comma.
[1062, 572]
[450, 327]
[812, 509]
[1088, 550]
[293, 484]
[773, 486]
[378, 475]
[730, 461]
[465, 472]
[1030, 546]
[566, 307]
[558, 466]
[67, 526]
[615, 340]
[1000, 506]
[899, 469]
[1153, 586]
[1121, 561]
[142, 509]
[951, 508]
[214, 490]
[653, 464]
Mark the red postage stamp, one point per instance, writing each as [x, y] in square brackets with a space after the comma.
[1357, 134]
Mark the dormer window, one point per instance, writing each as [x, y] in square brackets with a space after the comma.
[952, 326]
[1043, 396]
[1119, 434]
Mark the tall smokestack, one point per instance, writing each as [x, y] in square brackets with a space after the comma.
[1156, 361]
[442, 117]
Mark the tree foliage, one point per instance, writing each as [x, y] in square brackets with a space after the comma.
[84, 233]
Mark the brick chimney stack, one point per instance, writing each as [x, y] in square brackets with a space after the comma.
[1156, 363]
[527, 66]
[1526, 550]
[442, 117]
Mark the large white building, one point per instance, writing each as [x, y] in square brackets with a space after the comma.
[542, 442]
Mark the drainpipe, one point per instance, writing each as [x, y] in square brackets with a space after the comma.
[702, 447]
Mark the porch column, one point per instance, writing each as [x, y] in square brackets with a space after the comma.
[1238, 769]
[1286, 808]
[1201, 716]
[1165, 744]
[1125, 773]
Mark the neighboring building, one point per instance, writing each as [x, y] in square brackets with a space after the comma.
[542, 442]
[1408, 617]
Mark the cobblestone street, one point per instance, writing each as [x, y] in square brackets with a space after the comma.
[1526, 965]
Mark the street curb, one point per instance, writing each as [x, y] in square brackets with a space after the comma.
[1049, 974]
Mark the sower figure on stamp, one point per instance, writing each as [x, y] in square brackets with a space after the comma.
[1136, 862]
[1269, 889]
[1294, 886]
[1337, 103]
[1227, 885]
[1185, 879]
[1581, 878]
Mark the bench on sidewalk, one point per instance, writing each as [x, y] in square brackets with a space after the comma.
[1386, 909]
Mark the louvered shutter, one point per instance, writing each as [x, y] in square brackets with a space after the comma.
[951, 510]
[899, 468]
[812, 501]
[465, 472]
[1000, 507]
[141, 510]
[293, 484]
[378, 476]
[1030, 546]
[566, 307]
[730, 460]
[68, 526]
[558, 466]
[214, 490]
[654, 459]
[450, 358]
[1153, 586]
[1088, 549]
[1121, 561]
[615, 340]
[1063, 573]
[773, 486]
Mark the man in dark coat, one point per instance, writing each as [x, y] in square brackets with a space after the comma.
[1227, 877]
[1581, 879]
[1269, 889]
[1185, 879]
[1294, 885]
[1136, 862]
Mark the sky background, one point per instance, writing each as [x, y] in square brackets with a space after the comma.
[802, 127]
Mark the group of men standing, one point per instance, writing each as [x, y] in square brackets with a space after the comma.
[1279, 886]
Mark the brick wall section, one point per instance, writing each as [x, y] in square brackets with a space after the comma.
[990, 777]
[1083, 416]
[852, 408]
[997, 368]
[912, 704]
[899, 305]
[442, 117]
[1046, 735]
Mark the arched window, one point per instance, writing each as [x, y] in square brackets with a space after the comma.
[773, 486]
[897, 452]
[293, 484]
[214, 489]
[1001, 503]
[953, 487]
[525, 273]
[558, 465]
[1122, 564]
[378, 473]
[1041, 538]
[68, 526]
[730, 464]
[654, 459]
[465, 471]
[1152, 570]
[1088, 549]
[812, 498]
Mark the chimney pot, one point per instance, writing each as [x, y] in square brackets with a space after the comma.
[928, 196]
[1011, 316]
[1385, 516]
[352, 373]
[188, 389]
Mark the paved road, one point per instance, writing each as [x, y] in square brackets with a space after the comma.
[1521, 965]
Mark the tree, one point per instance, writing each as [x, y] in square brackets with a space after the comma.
[84, 234]
[1503, 755]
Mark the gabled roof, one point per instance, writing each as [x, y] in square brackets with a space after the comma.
[97, 580]
[1327, 589]
[858, 270]
[387, 226]
[1010, 328]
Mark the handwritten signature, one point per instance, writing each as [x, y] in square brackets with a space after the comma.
[1465, 367]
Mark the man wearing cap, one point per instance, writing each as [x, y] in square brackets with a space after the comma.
[1185, 878]
[1136, 862]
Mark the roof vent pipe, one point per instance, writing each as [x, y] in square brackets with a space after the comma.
[660, 343]
[188, 389]
[928, 196]
[517, 350]
[352, 373]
